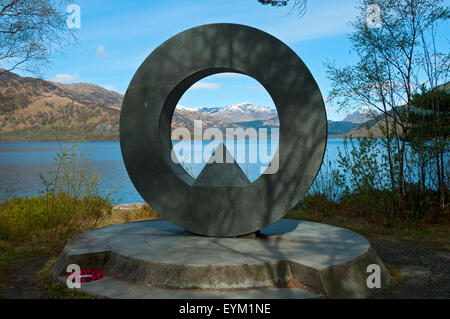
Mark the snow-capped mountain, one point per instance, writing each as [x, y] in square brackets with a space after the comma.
[242, 115]
[361, 115]
[202, 109]
[184, 108]
[235, 113]
[247, 107]
[208, 110]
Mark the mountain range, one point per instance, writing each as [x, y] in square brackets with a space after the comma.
[242, 112]
[31, 109]
[362, 115]
[242, 115]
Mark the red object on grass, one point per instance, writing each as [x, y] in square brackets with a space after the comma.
[89, 275]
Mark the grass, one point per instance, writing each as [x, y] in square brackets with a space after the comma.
[11, 253]
[129, 215]
[430, 232]
[39, 134]
[396, 275]
[14, 252]
[40, 226]
[55, 290]
[50, 218]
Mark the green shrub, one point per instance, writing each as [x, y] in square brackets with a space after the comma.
[148, 213]
[319, 203]
[69, 204]
[39, 218]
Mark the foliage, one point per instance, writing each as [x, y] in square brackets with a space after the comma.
[143, 213]
[298, 5]
[45, 219]
[324, 183]
[70, 202]
[396, 60]
[340, 128]
[360, 181]
[30, 31]
[429, 138]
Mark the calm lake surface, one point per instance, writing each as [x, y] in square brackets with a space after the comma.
[21, 163]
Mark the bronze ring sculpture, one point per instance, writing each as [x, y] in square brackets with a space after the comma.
[151, 99]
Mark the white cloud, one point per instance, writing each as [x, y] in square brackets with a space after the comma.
[228, 75]
[112, 88]
[205, 86]
[66, 78]
[255, 88]
[101, 52]
[185, 108]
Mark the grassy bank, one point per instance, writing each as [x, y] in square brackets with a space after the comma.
[39, 227]
[36, 135]
[23, 239]
[369, 219]
[28, 230]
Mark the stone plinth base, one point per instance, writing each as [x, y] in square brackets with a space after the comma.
[155, 259]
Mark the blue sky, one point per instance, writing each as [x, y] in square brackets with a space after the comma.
[116, 36]
[225, 89]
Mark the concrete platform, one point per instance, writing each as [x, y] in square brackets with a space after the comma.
[118, 289]
[155, 259]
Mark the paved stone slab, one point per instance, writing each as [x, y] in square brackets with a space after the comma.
[115, 289]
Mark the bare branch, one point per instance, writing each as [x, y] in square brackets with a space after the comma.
[31, 32]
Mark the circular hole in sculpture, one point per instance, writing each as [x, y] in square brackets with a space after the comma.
[225, 131]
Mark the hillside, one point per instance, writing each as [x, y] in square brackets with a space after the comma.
[31, 109]
[93, 94]
[361, 131]
[361, 115]
[242, 112]
[337, 128]
[242, 115]
[185, 118]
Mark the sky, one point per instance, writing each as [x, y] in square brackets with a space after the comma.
[116, 36]
[224, 89]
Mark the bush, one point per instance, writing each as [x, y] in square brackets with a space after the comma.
[69, 204]
[364, 182]
[319, 203]
[145, 212]
[37, 218]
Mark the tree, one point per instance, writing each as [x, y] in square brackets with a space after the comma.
[429, 135]
[299, 5]
[396, 59]
[31, 31]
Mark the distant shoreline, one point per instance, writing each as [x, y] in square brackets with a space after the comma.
[18, 140]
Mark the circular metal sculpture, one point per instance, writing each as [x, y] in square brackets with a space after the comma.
[145, 129]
